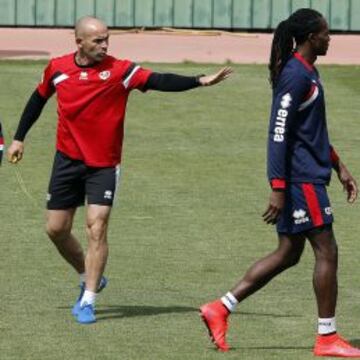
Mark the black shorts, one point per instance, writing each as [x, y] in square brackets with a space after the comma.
[72, 182]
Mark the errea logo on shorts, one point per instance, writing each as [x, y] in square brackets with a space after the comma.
[328, 210]
[300, 217]
[108, 194]
[48, 197]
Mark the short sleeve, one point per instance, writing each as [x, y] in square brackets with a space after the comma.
[135, 77]
[46, 87]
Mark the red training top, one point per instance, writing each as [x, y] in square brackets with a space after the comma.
[91, 106]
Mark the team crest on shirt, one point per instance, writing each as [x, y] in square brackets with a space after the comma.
[104, 75]
[300, 217]
[83, 75]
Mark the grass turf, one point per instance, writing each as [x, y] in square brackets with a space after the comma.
[186, 227]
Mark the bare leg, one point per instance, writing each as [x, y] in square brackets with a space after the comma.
[325, 271]
[96, 257]
[325, 285]
[215, 314]
[286, 255]
[58, 228]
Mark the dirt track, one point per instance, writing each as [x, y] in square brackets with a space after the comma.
[208, 47]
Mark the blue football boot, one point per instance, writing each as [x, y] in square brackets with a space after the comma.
[76, 308]
[86, 314]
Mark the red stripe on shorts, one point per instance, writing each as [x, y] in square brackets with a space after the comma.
[313, 204]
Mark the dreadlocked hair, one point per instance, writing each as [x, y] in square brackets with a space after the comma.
[296, 28]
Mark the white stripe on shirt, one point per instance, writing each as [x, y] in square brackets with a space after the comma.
[309, 101]
[60, 78]
[126, 82]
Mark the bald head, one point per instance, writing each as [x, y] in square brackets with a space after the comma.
[92, 40]
[88, 25]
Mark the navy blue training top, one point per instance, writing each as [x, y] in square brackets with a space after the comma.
[298, 145]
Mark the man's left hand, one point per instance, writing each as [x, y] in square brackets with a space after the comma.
[348, 182]
[208, 80]
[275, 207]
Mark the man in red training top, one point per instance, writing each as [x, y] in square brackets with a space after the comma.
[92, 90]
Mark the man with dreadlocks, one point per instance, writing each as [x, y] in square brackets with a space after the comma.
[300, 160]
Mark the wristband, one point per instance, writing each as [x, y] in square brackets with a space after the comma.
[334, 156]
[278, 184]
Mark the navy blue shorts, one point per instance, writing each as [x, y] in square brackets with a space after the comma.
[307, 206]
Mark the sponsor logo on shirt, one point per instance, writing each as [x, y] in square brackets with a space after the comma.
[286, 101]
[300, 217]
[83, 75]
[281, 117]
[104, 75]
[108, 194]
[328, 210]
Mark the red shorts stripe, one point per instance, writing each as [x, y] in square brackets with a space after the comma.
[313, 204]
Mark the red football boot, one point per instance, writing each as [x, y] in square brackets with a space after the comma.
[334, 345]
[215, 316]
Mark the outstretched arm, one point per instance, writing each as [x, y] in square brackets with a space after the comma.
[30, 114]
[174, 82]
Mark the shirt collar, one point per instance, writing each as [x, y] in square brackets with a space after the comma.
[303, 61]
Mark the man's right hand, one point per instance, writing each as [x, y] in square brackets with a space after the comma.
[275, 207]
[15, 151]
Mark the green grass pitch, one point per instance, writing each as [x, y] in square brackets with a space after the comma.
[186, 226]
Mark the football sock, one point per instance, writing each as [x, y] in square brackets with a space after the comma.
[229, 301]
[88, 298]
[82, 277]
[326, 326]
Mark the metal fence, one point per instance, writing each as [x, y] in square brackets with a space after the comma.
[227, 14]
